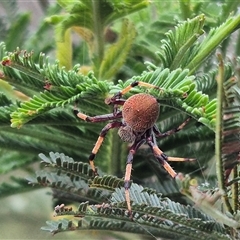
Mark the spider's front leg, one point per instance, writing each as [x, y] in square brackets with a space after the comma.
[116, 99]
[104, 131]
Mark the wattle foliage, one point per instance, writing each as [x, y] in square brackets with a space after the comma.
[38, 94]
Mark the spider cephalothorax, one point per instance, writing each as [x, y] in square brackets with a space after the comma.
[135, 118]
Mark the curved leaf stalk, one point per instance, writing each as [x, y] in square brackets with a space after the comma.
[178, 50]
[219, 136]
[115, 55]
[212, 41]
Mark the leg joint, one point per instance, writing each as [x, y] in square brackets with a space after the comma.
[130, 157]
[127, 184]
[92, 156]
[164, 156]
[134, 84]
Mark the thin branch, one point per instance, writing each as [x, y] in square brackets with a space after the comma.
[235, 192]
[219, 137]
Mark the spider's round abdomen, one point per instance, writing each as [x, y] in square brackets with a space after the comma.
[140, 112]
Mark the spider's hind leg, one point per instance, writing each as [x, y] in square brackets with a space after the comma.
[127, 177]
[97, 118]
[163, 158]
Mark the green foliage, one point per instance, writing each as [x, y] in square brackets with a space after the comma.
[170, 45]
[150, 210]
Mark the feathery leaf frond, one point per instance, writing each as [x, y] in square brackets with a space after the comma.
[177, 50]
[162, 215]
[69, 86]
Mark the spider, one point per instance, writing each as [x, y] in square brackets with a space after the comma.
[136, 123]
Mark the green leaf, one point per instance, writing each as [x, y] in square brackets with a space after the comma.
[64, 50]
[68, 179]
[212, 41]
[178, 89]
[150, 211]
[177, 50]
[17, 33]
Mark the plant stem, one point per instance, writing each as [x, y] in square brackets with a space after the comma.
[98, 34]
[219, 137]
[235, 191]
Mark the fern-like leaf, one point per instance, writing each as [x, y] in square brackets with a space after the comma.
[159, 215]
[177, 51]
[68, 87]
[212, 41]
[188, 54]
[70, 180]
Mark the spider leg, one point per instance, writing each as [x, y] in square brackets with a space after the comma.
[99, 143]
[138, 83]
[172, 131]
[127, 177]
[98, 118]
[115, 98]
[162, 157]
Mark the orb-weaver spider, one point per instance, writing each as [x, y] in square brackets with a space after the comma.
[139, 114]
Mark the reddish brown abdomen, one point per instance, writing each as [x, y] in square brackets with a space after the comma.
[140, 112]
